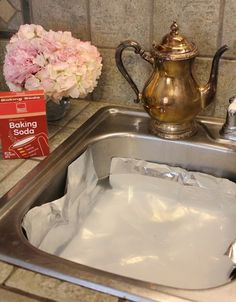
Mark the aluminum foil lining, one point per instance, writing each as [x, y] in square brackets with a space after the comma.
[147, 221]
[176, 174]
[231, 252]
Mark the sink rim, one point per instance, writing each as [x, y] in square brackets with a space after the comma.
[13, 206]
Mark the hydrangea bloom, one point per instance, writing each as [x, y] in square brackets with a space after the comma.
[54, 61]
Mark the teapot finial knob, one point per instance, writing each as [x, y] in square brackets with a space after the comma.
[174, 28]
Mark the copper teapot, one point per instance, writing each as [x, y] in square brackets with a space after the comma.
[171, 96]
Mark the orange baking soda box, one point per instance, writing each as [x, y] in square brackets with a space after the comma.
[23, 124]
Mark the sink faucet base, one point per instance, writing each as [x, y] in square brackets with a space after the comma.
[228, 131]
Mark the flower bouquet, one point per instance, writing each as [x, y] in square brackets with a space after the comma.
[54, 61]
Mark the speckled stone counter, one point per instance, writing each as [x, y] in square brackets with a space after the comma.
[18, 284]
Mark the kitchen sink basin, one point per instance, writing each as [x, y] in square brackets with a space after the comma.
[112, 132]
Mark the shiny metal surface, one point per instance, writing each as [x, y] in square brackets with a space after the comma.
[228, 130]
[171, 96]
[174, 46]
[112, 131]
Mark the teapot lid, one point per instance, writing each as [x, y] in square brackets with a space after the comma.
[175, 47]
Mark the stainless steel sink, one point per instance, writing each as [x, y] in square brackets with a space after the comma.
[112, 132]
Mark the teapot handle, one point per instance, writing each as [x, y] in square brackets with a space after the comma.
[138, 50]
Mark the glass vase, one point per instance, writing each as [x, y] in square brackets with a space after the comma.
[56, 111]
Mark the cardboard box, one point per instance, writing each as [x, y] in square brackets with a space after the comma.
[23, 124]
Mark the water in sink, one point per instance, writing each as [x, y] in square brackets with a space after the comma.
[146, 227]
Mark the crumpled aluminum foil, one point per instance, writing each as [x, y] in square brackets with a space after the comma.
[231, 252]
[176, 174]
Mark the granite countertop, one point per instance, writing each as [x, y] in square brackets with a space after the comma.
[18, 284]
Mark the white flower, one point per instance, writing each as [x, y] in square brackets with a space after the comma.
[53, 61]
[14, 87]
[32, 83]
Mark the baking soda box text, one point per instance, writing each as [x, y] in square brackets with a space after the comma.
[23, 124]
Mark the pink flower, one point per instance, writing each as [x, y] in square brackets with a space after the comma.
[54, 61]
[20, 61]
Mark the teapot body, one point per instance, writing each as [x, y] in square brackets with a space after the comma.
[171, 94]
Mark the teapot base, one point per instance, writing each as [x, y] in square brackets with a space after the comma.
[173, 131]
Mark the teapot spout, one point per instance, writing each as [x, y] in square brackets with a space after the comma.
[208, 92]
